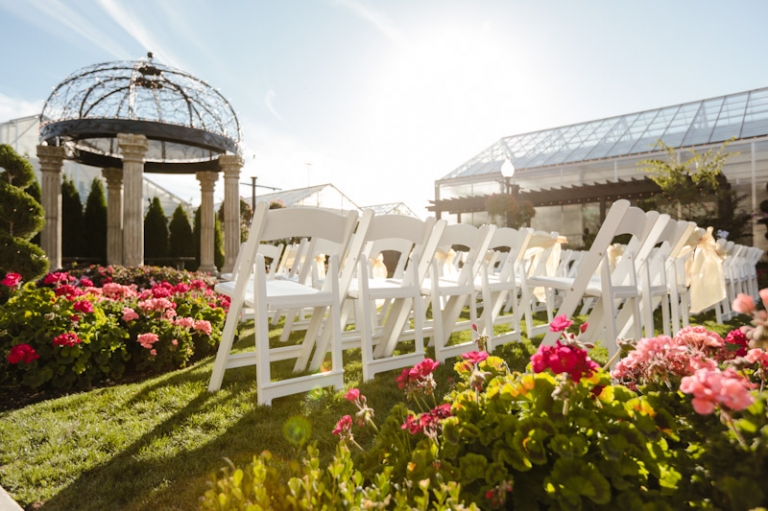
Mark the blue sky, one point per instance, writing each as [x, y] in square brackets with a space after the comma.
[383, 98]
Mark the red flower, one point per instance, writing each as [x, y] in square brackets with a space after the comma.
[560, 323]
[564, 359]
[83, 306]
[56, 278]
[344, 426]
[66, 339]
[86, 282]
[11, 279]
[424, 368]
[353, 395]
[739, 338]
[475, 357]
[22, 353]
[68, 291]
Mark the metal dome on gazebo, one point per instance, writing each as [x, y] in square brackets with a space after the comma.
[132, 117]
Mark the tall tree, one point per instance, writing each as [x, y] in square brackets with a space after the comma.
[696, 189]
[71, 220]
[155, 231]
[95, 222]
[21, 217]
[182, 240]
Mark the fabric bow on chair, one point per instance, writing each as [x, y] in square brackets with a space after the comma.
[706, 277]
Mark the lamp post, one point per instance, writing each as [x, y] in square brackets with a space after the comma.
[507, 171]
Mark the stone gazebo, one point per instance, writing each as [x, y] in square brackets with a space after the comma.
[133, 117]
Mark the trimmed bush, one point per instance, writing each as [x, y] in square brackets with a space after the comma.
[21, 217]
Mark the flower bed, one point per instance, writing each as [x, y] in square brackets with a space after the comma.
[67, 331]
[680, 422]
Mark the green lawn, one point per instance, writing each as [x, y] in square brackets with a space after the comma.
[153, 444]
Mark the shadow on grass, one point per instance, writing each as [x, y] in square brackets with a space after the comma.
[166, 468]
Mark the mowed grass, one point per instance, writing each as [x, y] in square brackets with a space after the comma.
[153, 444]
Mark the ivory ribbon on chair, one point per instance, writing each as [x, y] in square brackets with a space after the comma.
[550, 266]
[614, 253]
[444, 261]
[320, 265]
[378, 268]
[707, 278]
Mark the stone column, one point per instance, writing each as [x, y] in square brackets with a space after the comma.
[133, 147]
[207, 184]
[114, 179]
[231, 165]
[51, 160]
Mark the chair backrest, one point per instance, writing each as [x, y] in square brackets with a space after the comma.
[310, 223]
[400, 234]
[476, 240]
[621, 218]
[514, 242]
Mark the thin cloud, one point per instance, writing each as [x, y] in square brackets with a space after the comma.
[268, 100]
[379, 20]
[133, 27]
[53, 15]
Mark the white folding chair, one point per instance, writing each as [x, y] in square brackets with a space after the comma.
[252, 288]
[501, 285]
[451, 293]
[595, 277]
[541, 258]
[658, 282]
[379, 334]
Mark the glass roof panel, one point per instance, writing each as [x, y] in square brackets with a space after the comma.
[704, 122]
[730, 119]
[656, 129]
[612, 136]
[636, 131]
[756, 116]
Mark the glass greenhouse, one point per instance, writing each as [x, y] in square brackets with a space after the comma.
[570, 169]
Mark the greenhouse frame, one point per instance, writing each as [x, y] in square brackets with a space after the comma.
[571, 173]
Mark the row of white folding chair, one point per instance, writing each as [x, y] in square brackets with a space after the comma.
[499, 285]
[251, 288]
[450, 292]
[740, 273]
[413, 242]
[658, 283]
[540, 259]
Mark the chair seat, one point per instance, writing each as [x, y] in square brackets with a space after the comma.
[279, 292]
[383, 288]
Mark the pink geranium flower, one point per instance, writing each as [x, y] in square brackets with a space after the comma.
[147, 340]
[743, 304]
[560, 323]
[129, 314]
[22, 353]
[203, 326]
[185, 322]
[712, 387]
[11, 279]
